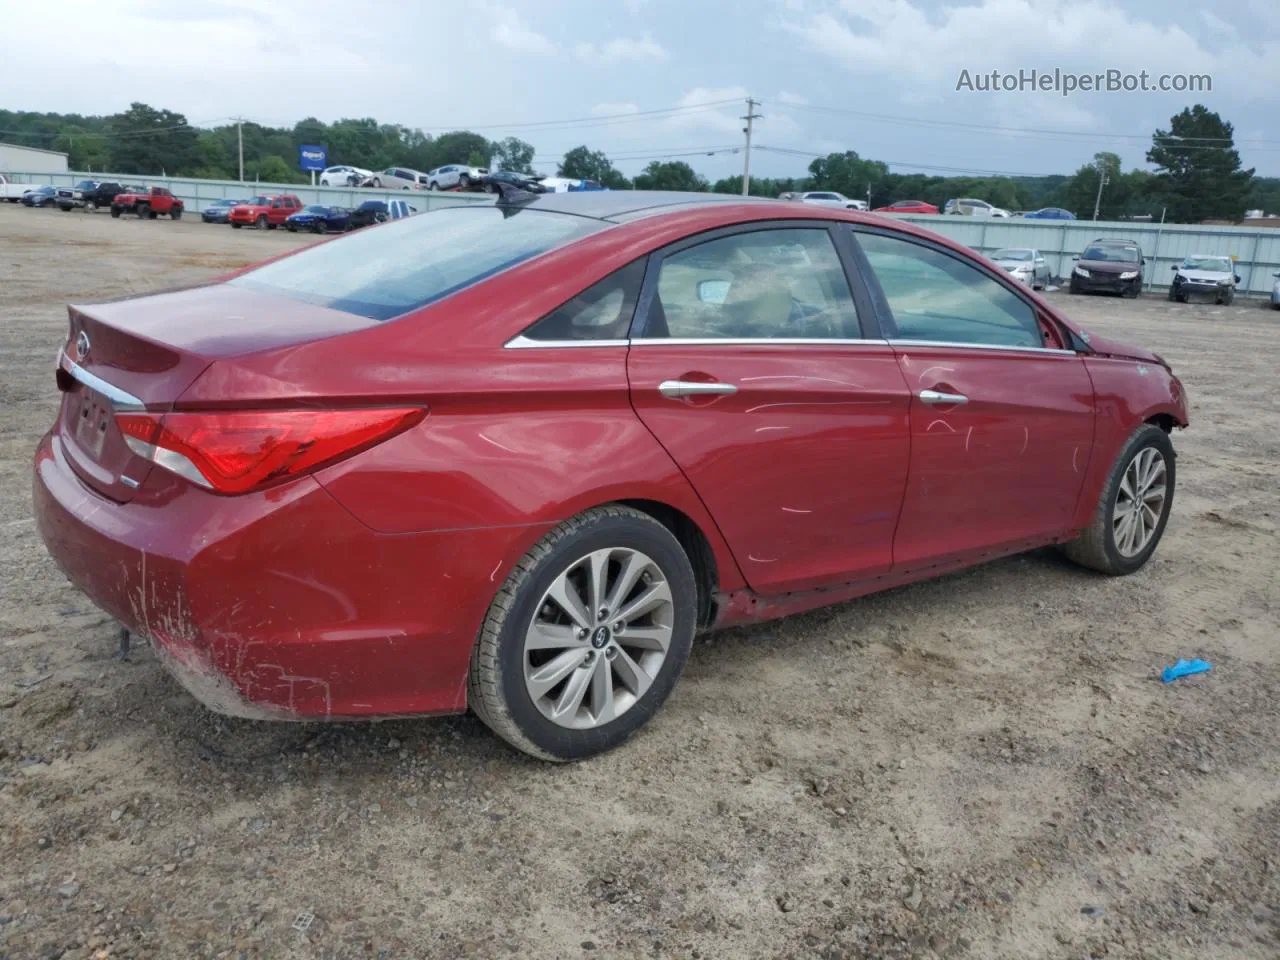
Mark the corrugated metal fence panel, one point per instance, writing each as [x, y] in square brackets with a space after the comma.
[198, 194]
[1256, 251]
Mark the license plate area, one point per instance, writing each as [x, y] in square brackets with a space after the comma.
[91, 414]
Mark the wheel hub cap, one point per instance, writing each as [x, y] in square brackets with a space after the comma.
[1140, 502]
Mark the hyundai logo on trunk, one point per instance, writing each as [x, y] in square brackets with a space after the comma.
[82, 346]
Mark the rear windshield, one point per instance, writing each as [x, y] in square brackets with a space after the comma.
[409, 263]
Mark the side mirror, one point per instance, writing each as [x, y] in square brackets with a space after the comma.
[713, 291]
[1173, 267]
[1238, 280]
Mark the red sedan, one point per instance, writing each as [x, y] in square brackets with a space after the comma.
[514, 456]
[907, 206]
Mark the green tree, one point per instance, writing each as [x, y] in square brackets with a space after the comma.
[1200, 168]
[760, 186]
[580, 163]
[275, 169]
[149, 141]
[849, 174]
[512, 154]
[459, 146]
[670, 175]
[84, 150]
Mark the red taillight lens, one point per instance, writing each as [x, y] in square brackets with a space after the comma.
[238, 451]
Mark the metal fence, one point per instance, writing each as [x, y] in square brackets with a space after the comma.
[198, 194]
[1255, 251]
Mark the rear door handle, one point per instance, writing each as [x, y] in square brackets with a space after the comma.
[675, 389]
[936, 398]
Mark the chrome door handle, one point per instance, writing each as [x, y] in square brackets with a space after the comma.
[675, 389]
[935, 398]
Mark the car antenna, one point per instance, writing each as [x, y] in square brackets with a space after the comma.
[512, 196]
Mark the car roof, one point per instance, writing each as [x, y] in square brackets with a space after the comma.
[619, 206]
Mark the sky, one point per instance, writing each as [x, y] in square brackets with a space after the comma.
[646, 79]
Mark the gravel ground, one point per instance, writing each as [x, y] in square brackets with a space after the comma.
[981, 766]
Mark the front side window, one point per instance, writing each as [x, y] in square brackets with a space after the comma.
[767, 284]
[935, 296]
[415, 261]
[601, 312]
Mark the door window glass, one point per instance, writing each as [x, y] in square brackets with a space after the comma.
[935, 296]
[601, 312]
[767, 284]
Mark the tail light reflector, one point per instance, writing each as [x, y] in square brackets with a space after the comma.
[236, 451]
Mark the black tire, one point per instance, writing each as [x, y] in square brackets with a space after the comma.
[261, 222]
[236, 226]
[433, 186]
[1072, 288]
[115, 212]
[1131, 292]
[495, 683]
[1229, 297]
[376, 181]
[143, 211]
[1095, 548]
[320, 226]
[291, 228]
[464, 181]
[175, 212]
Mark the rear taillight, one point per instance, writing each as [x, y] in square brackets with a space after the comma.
[233, 452]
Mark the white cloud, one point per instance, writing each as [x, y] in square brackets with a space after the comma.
[511, 32]
[785, 96]
[612, 109]
[620, 50]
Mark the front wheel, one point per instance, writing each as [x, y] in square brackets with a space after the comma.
[115, 212]
[261, 223]
[1133, 508]
[587, 636]
[1228, 296]
[175, 213]
[433, 186]
[143, 211]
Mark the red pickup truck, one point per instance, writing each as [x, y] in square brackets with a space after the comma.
[265, 212]
[154, 203]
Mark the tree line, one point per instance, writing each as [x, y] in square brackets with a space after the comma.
[1198, 174]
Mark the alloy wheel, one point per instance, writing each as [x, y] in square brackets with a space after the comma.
[598, 638]
[1140, 502]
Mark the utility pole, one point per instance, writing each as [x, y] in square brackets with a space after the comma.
[1102, 182]
[240, 141]
[746, 157]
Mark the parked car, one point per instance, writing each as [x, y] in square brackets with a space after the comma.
[380, 211]
[264, 212]
[1050, 213]
[13, 191]
[1025, 264]
[453, 175]
[545, 556]
[569, 185]
[830, 198]
[90, 195]
[399, 178]
[525, 181]
[219, 210]
[147, 204]
[973, 208]
[319, 218]
[908, 206]
[1109, 266]
[1204, 276]
[344, 175]
[42, 196]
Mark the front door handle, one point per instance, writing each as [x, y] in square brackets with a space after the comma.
[676, 389]
[936, 398]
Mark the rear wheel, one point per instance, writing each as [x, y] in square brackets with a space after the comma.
[433, 186]
[115, 212]
[376, 181]
[175, 212]
[587, 637]
[464, 181]
[1133, 508]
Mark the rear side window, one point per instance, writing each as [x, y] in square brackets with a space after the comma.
[417, 260]
[601, 312]
[935, 296]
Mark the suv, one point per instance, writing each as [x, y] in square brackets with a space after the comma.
[265, 212]
[1109, 266]
[89, 194]
[454, 175]
[973, 208]
[830, 198]
[399, 178]
[147, 204]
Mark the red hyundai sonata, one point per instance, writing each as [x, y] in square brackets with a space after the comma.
[514, 456]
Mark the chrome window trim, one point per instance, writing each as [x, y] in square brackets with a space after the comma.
[754, 341]
[899, 342]
[119, 398]
[521, 342]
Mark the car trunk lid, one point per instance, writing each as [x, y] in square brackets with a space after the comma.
[143, 354]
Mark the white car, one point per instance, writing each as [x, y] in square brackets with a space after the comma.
[399, 178]
[453, 175]
[829, 198]
[1204, 275]
[974, 208]
[1025, 264]
[13, 191]
[344, 176]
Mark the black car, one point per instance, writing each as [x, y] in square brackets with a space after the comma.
[218, 211]
[319, 218]
[89, 194]
[40, 197]
[525, 181]
[369, 212]
[1109, 266]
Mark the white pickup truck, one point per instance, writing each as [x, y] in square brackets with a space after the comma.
[12, 191]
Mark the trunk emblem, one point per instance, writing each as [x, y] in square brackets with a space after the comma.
[82, 346]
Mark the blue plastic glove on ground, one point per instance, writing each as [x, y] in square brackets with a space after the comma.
[1185, 668]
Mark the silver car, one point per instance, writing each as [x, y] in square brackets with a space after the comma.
[399, 178]
[454, 175]
[1204, 275]
[830, 198]
[1026, 264]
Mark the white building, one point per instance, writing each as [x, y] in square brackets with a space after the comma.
[18, 159]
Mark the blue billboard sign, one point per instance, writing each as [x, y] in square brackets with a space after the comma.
[312, 157]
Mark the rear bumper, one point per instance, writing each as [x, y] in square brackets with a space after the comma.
[279, 604]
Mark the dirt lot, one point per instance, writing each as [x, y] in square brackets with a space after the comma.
[982, 766]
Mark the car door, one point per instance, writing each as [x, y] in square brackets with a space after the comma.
[1002, 415]
[751, 365]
